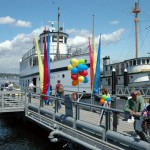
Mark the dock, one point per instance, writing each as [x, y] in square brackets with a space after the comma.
[76, 122]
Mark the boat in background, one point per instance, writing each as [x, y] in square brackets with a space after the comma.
[137, 69]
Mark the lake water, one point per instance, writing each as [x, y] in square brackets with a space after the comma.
[16, 134]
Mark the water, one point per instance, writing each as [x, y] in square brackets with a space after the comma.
[16, 134]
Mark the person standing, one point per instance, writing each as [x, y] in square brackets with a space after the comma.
[50, 99]
[106, 104]
[10, 86]
[31, 87]
[59, 92]
[133, 108]
[6, 86]
[135, 105]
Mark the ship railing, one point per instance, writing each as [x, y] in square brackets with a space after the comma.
[81, 115]
[12, 101]
[126, 91]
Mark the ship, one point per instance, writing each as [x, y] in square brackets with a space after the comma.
[137, 70]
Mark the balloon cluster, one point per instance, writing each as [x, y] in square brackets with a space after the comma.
[105, 98]
[78, 71]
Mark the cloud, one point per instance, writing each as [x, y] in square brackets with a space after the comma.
[21, 23]
[17, 23]
[11, 51]
[115, 36]
[114, 22]
[7, 20]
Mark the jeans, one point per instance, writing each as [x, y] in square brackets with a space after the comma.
[58, 95]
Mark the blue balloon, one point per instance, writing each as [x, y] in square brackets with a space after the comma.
[85, 67]
[74, 70]
[108, 99]
[80, 67]
[85, 80]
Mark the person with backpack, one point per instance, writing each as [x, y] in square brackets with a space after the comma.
[59, 91]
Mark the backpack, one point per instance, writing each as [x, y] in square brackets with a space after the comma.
[60, 88]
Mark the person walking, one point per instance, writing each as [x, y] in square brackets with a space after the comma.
[59, 92]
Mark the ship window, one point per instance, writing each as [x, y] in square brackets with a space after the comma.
[143, 61]
[147, 61]
[138, 62]
[131, 76]
[65, 40]
[30, 61]
[63, 75]
[110, 67]
[134, 62]
[130, 63]
[54, 38]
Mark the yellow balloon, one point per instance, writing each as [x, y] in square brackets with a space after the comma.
[69, 67]
[80, 78]
[74, 62]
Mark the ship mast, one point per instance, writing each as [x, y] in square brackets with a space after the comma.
[58, 53]
[136, 10]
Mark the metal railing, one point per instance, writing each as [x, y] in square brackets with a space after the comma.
[12, 101]
[81, 120]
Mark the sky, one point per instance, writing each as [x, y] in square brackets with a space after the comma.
[22, 20]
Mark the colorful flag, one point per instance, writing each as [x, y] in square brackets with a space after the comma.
[94, 61]
[48, 61]
[40, 64]
[97, 73]
[91, 64]
[45, 86]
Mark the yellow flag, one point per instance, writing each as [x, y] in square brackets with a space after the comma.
[95, 57]
[94, 63]
[40, 65]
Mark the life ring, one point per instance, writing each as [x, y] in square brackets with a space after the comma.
[74, 96]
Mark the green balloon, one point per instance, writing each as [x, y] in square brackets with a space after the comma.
[82, 61]
[104, 97]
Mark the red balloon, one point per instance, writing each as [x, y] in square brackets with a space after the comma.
[83, 73]
[74, 76]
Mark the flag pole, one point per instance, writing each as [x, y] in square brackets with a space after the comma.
[58, 53]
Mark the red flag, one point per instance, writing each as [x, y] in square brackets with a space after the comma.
[46, 79]
[91, 65]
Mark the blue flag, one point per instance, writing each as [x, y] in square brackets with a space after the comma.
[97, 72]
[48, 62]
